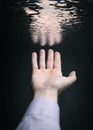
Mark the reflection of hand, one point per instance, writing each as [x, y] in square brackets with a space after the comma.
[45, 25]
[47, 78]
[46, 29]
[48, 21]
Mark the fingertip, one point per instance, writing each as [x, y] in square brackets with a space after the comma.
[73, 74]
[33, 56]
[42, 50]
[33, 53]
[50, 51]
[57, 53]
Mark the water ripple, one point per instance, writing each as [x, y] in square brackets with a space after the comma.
[49, 19]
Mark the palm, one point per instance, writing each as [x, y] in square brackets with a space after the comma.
[47, 77]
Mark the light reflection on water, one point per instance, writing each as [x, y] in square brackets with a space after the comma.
[50, 18]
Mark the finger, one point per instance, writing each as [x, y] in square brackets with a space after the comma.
[57, 61]
[68, 81]
[42, 59]
[34, 61]
[50, 59]
[71, 78]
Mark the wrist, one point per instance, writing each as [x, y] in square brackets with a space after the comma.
[52, 93]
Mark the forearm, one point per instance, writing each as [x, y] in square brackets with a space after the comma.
[42, 113]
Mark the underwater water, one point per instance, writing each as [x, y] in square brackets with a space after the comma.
[63, 25]
[48, 19]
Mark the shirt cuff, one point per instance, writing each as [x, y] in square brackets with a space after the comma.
[43, 105]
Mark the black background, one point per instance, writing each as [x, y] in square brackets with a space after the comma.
[76, 105]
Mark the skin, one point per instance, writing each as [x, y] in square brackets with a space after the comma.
[47, 77]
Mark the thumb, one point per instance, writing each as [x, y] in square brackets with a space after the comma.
[71, 78]
[68, 81]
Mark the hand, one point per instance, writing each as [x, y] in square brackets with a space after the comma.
[47, 78]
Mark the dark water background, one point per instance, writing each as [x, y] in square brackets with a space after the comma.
[76, 103]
